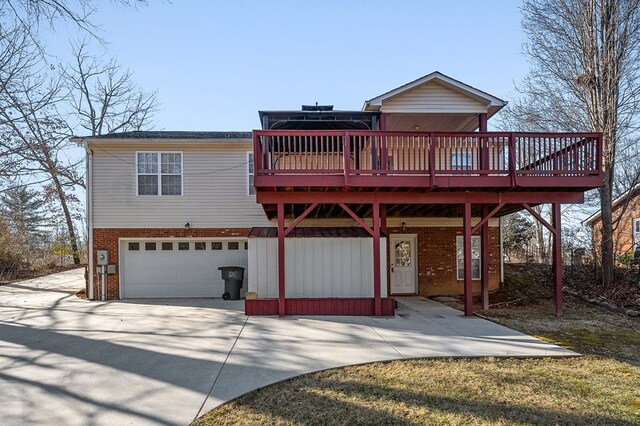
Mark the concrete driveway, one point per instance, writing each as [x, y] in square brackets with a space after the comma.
[64, 360]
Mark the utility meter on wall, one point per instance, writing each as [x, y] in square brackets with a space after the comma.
[103, 257]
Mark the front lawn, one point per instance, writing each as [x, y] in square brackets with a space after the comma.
[577, 391]
[601, 388]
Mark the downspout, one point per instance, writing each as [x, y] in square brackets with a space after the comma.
[500, 230]
[89, 201]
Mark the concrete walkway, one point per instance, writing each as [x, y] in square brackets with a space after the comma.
[65, 361]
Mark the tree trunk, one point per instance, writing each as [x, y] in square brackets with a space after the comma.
[68, 219]
[606, 242]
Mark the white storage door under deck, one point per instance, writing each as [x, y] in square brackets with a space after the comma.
[176, 268]
[316, 267]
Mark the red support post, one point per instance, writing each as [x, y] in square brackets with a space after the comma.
[484, 259]
[466, 223]
[383, 122]
[484, 144]
[432, 159]
[557, 259]
[281, 287]
[383, 219]
[376, 260]
[482, 122]
[347, 158]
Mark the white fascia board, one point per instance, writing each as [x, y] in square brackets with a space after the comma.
[458, 86]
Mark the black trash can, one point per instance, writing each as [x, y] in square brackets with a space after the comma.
[232, 276]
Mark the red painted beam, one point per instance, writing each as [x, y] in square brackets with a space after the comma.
[419, 197]
[281, 259]
[376, 260]
[484, 258]
[334, 306]
[557, 258]
[535, 214]
[300, 218]
[468, 297]
[486, 217]
[484, 146]
[383, 219]
[357, 219]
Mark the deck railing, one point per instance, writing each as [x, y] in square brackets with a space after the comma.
[434, 154]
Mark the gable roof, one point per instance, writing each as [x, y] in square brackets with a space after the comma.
[634, 191]
[169, 134]
[493, 103]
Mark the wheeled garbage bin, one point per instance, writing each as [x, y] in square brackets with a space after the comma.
[232, 276]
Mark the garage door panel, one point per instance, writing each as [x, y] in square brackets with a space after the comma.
[178, 273]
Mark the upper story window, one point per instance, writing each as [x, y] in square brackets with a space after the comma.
[251, 190]
[159, 173]
[461, 161]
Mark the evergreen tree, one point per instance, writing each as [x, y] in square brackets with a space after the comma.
[24, 211]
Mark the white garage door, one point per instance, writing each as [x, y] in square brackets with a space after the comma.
[178, 267]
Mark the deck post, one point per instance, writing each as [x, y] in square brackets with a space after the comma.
[376, 260]
[383, 219]
[281, 287]
[484, 259]
[468, 297]
[557, 258]
[484, 144]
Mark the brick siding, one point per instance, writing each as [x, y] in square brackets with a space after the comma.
[623, 234]
[436, 254]
[107, 239]
[437, 267]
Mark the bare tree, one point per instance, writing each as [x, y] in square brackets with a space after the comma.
[104, 98]
[30, 14]
[585, 75]
[38, 137]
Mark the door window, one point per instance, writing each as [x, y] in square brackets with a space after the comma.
[403, 253]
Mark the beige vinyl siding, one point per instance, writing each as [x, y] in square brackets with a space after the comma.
[214, 189]
[432, 98]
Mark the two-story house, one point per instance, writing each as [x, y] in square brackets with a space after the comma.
[331, 212]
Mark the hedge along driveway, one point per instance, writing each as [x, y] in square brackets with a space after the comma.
[64, 360]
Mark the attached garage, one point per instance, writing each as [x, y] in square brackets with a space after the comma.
[174, 268]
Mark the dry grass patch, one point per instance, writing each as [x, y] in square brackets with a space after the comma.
[585, 328]
[602, 388]
[578, 391]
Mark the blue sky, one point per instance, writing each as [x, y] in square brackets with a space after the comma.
[216, 63]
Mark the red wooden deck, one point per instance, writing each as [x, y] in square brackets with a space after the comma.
[382, 160]
[380, 174]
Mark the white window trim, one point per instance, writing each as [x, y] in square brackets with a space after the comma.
[249, 174]
[633, 231]
[458, 270]
[159, 173]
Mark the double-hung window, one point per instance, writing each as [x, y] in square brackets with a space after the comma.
[475, 257]
[461, 161]
[159, 173]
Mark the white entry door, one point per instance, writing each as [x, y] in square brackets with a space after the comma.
[403, 260]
